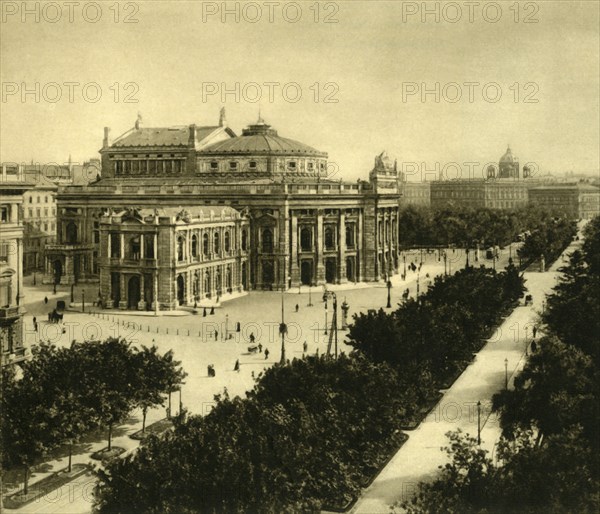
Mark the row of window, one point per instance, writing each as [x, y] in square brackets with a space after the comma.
[47, 226]
[38, 212]
[149, 167]
[330, 238]
[194, 247]
[47, 199]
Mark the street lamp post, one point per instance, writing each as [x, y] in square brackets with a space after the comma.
[83, 300]
[72, 292]
[310, 304]
[345, 308]
[226, 326]
[389, 299]
[325, 313]
[282, 331]
[467, 263]
[34, 282]
[479, 422]
[526, 344]
[404, 258]
[505, 374]
[445, 262]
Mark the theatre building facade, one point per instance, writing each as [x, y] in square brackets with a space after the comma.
[187, 213]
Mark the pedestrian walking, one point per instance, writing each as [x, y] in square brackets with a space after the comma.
[236, 367]
[212, 310]
[259, 348]
[266, 354]
[238, 327]
[534, 331]
[216, 335]
[204, 312]
[305, 347]
[297, 307]
[45, 300]
[252, 338]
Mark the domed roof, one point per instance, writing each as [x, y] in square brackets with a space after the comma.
[260, 138]
[507, 157]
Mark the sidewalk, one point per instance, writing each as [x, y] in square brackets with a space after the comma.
[420, 457]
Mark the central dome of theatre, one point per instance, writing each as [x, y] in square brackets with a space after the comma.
[260, 138]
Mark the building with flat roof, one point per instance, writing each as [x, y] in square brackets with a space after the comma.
[576, 200]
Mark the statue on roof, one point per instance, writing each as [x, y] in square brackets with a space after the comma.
[383, 162]
[222, 118]
[184, 215]
[138, 121]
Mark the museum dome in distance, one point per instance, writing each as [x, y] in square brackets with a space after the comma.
[260, 138]
[507, 157]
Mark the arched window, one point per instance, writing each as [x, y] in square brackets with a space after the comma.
[134, 248]
[180, 247]
[205, 245]
[227, 241]
[195, 246]
[329, 238]
[306, 239]
[244, 240]
[115, 245]
[350, 236]
[217, 243]
[71, 233]
[267, 240]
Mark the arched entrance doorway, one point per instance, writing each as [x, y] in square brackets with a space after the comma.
[306, 273]
[350, 274]
[245, 276]
[330, 271]
[180, 290]
[268, 274]
[58, 270]
[133, 292]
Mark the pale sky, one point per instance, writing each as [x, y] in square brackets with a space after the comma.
[368, 58]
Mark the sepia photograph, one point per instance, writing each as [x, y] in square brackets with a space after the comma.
[309, 256]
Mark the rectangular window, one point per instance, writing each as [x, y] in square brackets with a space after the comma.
[4, 213]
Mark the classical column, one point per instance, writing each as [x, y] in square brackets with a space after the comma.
[122, 255]
[142, 247]
[295, 272]
[142, 303]
[123, 302]
[342, 248]
[155, 303]
[108, 245]
[320, 265]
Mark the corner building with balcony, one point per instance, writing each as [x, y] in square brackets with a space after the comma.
[288, 223]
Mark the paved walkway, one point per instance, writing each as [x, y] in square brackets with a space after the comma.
[500, 359]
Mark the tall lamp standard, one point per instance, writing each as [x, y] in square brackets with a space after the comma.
[479, 422]
[83, 300]
[326, 311]
[310, 304]
[72, 292]
[505, 374]
[404, 258]
[282, 331]
[389, 299]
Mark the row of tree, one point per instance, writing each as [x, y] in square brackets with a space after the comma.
[548, 457]
[65, 393]
[548, 239]
[306, 436]
[437, 333]
[463, 226]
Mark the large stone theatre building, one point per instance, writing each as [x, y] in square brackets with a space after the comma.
[185, 213]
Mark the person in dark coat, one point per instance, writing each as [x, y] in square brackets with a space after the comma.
[45, 300]
[266, 354]
[259, 348]
[236, 367]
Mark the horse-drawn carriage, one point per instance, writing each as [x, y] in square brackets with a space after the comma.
[528, 299]
[55, 316]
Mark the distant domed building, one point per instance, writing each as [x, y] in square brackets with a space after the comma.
[508, 167]
[186, 213]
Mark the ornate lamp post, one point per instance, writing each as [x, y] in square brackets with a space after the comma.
[83, 300]
[326, 312]
[389, 299]
[479, 422]
[345, 308]
[310, 304]
[505, 374]
[72, 292]
[526, 343]
[282, 331]
[404, 258]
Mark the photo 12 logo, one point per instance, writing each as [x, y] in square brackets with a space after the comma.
[270, 12]
[72, 12]
[70, 91]
[469, 92]
[469, 12]
[253, 92]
